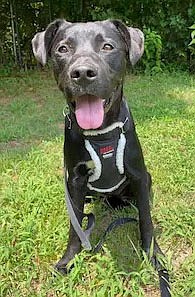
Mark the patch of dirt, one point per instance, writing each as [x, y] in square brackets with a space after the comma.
[36, 285]
[51, 294]
[151, 291]
[10, 145]
[34, 95]
[180, 256]
[15, 144]
[61, 126]
[5, 100]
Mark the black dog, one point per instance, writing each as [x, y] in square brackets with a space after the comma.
[89, 61]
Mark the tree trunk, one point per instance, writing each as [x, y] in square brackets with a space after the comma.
[19, 55]
[13, 31]
[15, 34]
[50, 10]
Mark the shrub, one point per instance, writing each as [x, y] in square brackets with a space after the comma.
[153, 50]
[192, 43]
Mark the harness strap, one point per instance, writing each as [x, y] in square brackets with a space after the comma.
[122, 125]
[83, 235]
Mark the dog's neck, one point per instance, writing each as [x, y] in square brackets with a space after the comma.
[114, 114]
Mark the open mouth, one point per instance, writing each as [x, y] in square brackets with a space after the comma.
[89, 111]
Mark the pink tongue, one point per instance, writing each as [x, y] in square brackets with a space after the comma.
[89, 112]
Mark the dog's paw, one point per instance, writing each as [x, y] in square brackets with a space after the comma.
[62, 268]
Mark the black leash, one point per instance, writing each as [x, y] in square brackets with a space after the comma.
[165, 290]
[118, 222]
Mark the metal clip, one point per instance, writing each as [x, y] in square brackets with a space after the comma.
[66, 115]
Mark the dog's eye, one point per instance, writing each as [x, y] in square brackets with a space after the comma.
[107, 47]
[63, 49]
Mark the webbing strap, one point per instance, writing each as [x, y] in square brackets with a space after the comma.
[83, 235]
[118, 222]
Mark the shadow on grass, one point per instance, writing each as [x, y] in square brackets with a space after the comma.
[123, 243]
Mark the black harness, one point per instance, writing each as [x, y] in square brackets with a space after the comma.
[108, 157]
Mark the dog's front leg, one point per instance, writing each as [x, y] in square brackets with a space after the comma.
[150, 246]
[141, 187]
[77, 190]
[140, 183]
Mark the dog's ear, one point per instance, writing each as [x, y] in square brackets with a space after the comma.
[134, 39]
[38, 47]
[42, 41]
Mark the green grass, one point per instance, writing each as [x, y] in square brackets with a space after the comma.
[32, 108]
[34, 221]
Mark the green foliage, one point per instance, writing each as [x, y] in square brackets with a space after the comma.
[99, 14]
[171, 19]
[192, 43]
[153, 51]
[175, 37]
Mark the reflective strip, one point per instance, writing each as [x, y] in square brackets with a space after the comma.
[98, 166]
[120, 153]
[107, 190]
[105, 130]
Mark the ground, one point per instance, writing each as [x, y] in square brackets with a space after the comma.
[34, 221]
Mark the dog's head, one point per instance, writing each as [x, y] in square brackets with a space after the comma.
[89, 61]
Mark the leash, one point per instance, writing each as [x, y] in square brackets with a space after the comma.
[165, 289]
[118, 222]
[83, 235]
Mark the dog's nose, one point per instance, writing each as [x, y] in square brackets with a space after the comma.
[83, 73]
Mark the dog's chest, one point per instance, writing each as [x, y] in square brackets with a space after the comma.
[108, 157]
